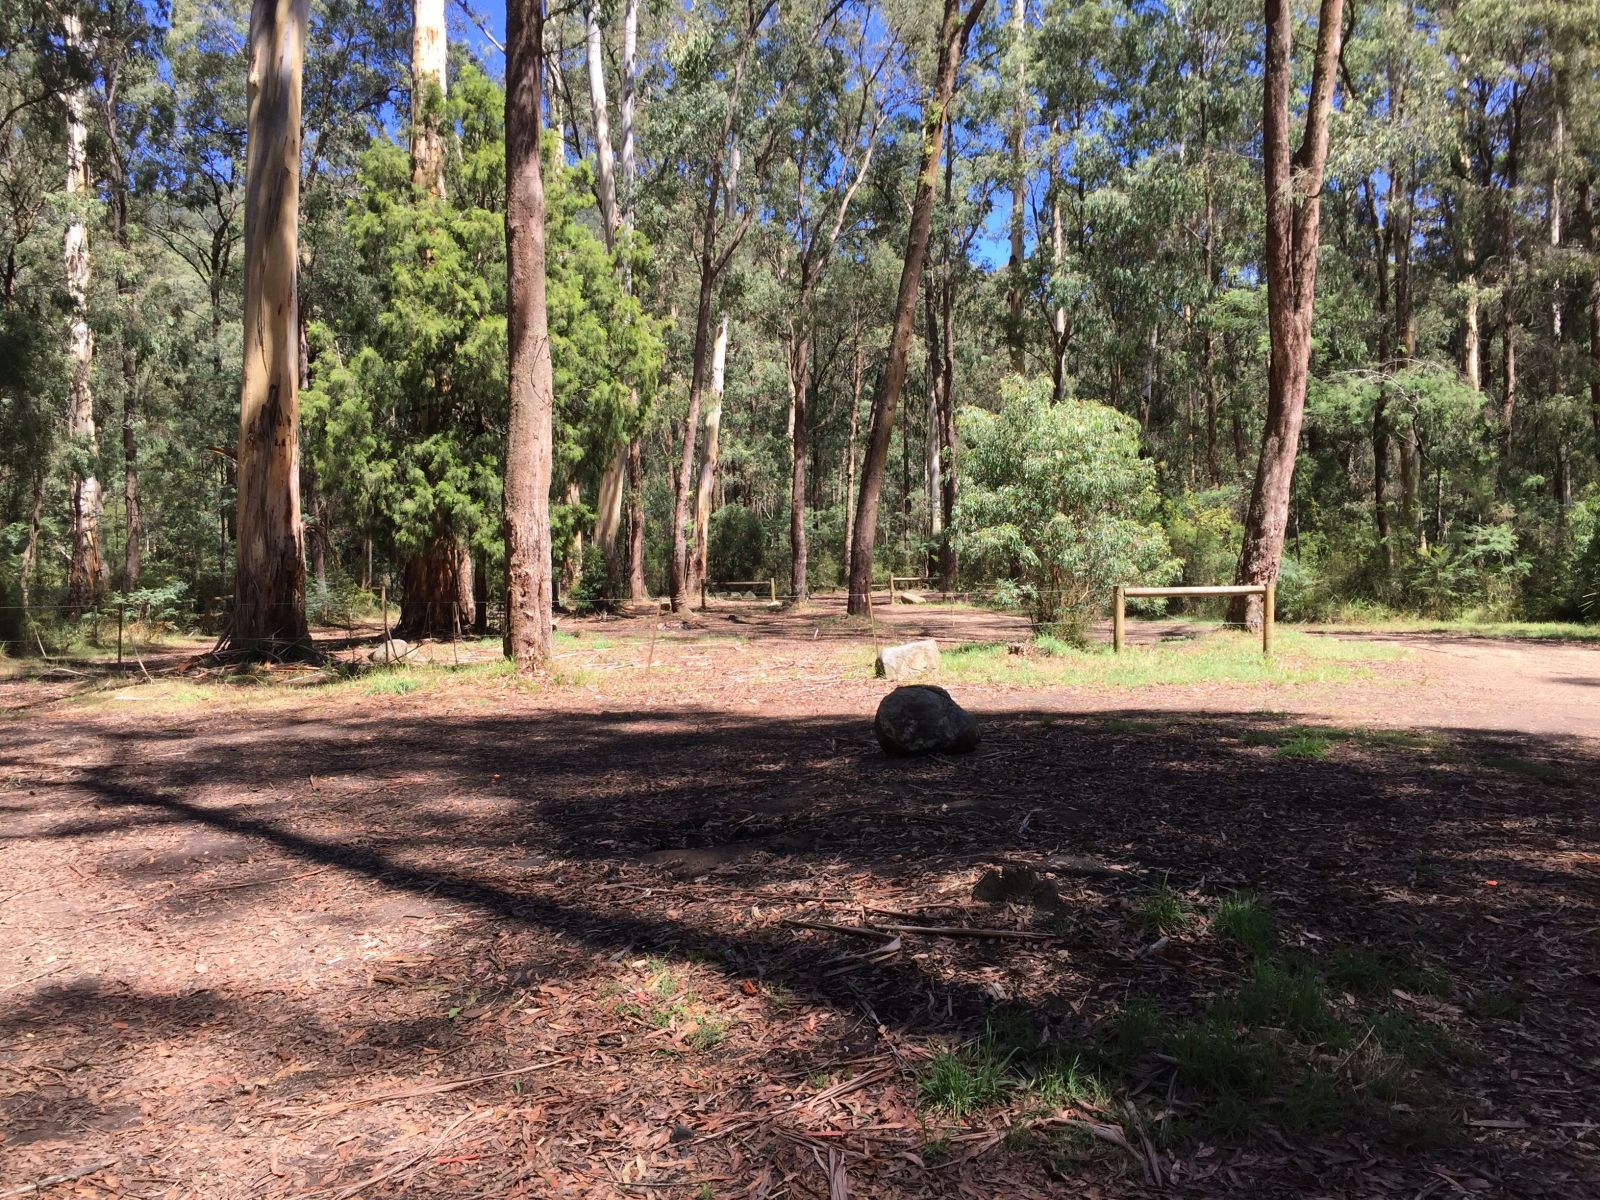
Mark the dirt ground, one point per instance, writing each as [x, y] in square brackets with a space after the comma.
[481, 939]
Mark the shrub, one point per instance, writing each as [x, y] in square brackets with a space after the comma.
[738, 548]
[1056, 499]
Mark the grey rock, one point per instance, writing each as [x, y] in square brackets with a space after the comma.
[392, 650]
[909, 658]
[923, 719]
[911, 597]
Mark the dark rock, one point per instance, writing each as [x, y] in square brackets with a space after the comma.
[923, 719]
[1016, 885]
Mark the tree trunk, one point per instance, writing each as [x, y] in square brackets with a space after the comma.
[84, 572]
[954, 31]
[30, 548]
[429, 52]
[133, 529]
[269, 615]
[1586, 195]
[856, 367]
[532, 381]
[438, 596]
[705, 491]
[638, 591]
[1019, 188]
[799, 381]
[1293, 196]
[613, 480]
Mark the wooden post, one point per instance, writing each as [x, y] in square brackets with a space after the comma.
[772, 588]
[1118, 602]
[383, 599]
[120, 609]
[891, 589]
[1269, 602]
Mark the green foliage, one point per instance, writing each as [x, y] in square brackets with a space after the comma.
[738, 547]
[1056, 500]
[405, 412]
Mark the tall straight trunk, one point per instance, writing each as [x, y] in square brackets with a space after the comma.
[1293, 202]
[1207, 352]
[531, 375]
[133, 529]
[799, 382]
[438, 597]
[678, 566]
[85, 569]
[613, 480]
[1382, 230]
[1058, 322]
[1586, 200]
[705, 491]
[954, 31]
[1508, 296]
[30, 547]
[637, 590]
[429, 52]
[269, 615]
[1019, 188]
[857, 366]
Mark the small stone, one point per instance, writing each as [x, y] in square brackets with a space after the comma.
[392, 650]
[922, 719]
[909, 658]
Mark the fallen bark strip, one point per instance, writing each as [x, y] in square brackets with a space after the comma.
[887, 929]
[38, 1185]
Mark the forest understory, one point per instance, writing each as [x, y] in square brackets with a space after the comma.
[671, 925]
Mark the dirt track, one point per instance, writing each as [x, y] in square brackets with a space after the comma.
[292, 945]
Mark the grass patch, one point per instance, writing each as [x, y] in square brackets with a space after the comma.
[1563, 631]
[1301, 1044]
[1369, 973]
[1241, 917]
[1528, 768]
[1165, 910]
[962, 1082]
[664, 1000]
[1225, 656]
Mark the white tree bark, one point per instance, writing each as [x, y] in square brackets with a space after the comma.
[84, 573]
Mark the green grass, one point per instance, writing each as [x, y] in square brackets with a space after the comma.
[1566, 631]
[1541, 772]
[1165, 910]
[1241, 917]
[1303, 1044]
[1368, 973]
[963, 1082]
[1011, 1061]
[664, 1000]
[1226, 656]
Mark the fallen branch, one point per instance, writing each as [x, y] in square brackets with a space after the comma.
[413, 1161]
[435, 1090]
[34, 1188]
[886, 929]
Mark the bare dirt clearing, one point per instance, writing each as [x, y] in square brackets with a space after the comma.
[428, 934]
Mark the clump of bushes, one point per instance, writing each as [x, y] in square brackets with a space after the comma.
[1058, 505]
